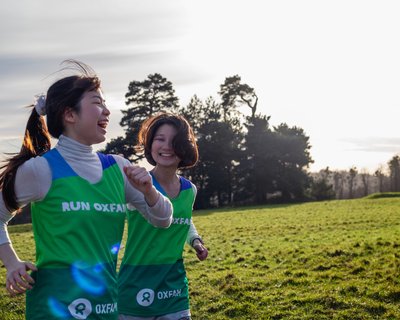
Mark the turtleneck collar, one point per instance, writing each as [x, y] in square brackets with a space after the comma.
[81, 158]
[69, 145]
[75, 152]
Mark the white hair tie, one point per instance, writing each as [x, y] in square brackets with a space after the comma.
[40, 104]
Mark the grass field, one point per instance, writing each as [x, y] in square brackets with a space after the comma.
[322, 260]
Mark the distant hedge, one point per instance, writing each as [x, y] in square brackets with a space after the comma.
[383, 195]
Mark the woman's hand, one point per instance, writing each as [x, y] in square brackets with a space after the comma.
[201, 250]
[141, 180]
[18, 279]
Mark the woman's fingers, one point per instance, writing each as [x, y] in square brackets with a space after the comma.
[138, 176]
[19, 280]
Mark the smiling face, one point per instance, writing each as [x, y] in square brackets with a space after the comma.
[162, 149]
[88, 126]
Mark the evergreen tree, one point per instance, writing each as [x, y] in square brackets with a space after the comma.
[218, 140]
[144, 98]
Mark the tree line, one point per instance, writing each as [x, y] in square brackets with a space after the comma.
[354, 183]
[243, 160]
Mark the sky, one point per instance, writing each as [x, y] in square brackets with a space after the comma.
[331, 68]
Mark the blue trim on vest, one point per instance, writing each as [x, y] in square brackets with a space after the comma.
[106, 160]
[157, 185]
[59, 167]
[185, 184]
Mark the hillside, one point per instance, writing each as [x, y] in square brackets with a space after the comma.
[322, 260]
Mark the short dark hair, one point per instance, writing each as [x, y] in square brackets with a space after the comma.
[184, 143]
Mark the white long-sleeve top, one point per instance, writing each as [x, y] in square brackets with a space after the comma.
[34, 177]
[192, 234]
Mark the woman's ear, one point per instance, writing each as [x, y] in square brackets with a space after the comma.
[69, 115]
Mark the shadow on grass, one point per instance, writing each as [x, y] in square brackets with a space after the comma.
[20, 228]
[207, 212]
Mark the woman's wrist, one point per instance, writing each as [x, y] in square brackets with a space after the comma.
[152, 197]
[8, 256]
[196, 241]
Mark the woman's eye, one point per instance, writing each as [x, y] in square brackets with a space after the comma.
[100, 104]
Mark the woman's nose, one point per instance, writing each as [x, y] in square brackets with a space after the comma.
[106, 111]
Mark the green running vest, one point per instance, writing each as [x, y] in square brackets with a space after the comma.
[78, 229]
[152, 279]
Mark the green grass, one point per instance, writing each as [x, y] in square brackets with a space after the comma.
[323, 260]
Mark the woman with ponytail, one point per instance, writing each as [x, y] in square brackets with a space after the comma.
[78, 204]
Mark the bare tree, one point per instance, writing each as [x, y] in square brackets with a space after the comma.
[365, 181]
[338, 183]
[351, 180]
[380, 176]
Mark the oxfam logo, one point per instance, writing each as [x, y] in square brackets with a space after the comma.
[145, 297]
[80, 308]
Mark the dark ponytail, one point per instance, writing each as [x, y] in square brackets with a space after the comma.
[36, 142]
[64, 93]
